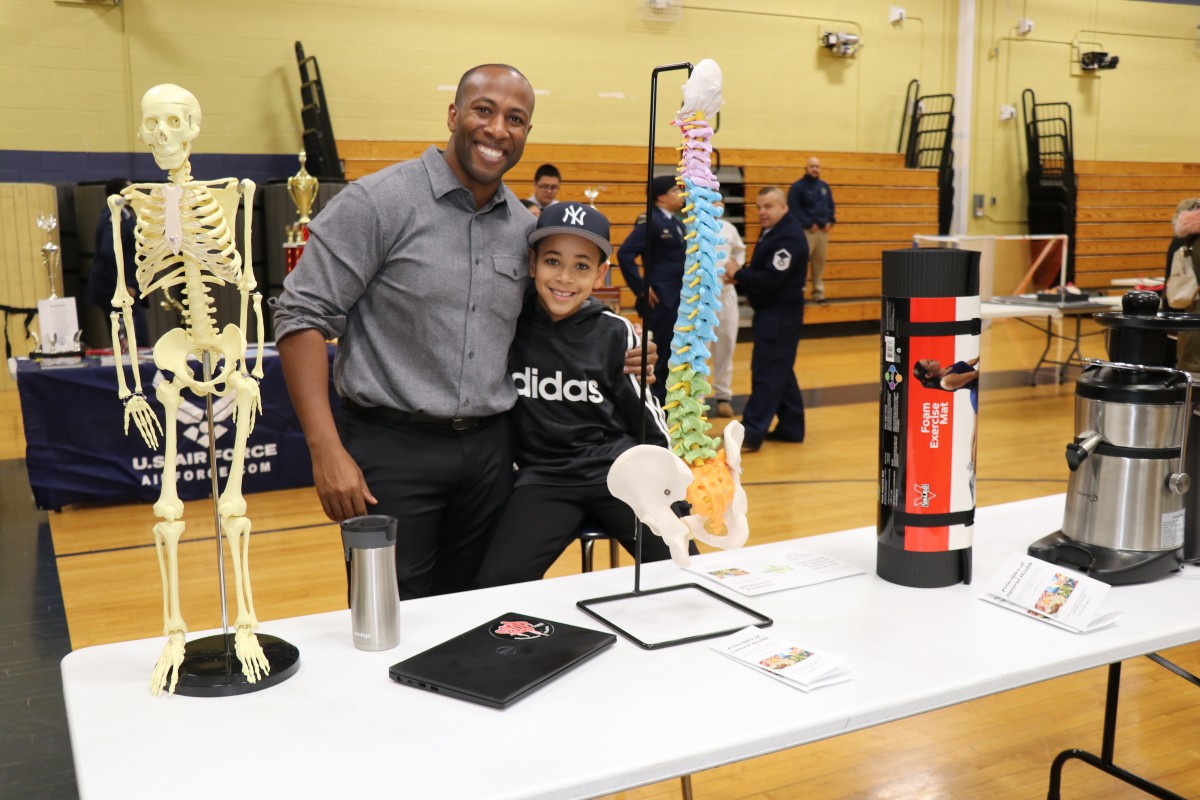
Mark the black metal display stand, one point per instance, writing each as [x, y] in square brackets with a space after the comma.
[587, 606]
[210, 667]
[1104, 762]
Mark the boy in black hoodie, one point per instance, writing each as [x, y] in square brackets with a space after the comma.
[576, 410]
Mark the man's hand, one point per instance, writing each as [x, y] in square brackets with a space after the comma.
[340, 484]
[651, 297]
[633, 359]
[813, 228]
[828, 227]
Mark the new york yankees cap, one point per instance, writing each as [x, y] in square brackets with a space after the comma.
[574, 218]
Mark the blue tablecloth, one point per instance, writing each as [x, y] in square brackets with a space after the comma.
[76, 451]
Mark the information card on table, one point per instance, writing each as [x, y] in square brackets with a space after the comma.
[1050, 593]
[754, 573]
[797, 666]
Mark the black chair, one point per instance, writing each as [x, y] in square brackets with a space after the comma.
[592, 532]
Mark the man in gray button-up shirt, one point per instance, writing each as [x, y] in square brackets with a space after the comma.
[419, 271]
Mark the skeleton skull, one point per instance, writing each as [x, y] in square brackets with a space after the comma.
[170, 121]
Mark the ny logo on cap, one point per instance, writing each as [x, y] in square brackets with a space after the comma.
[573, 215]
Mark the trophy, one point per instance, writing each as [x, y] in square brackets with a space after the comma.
[302, 188]
[591, 193]
[58, 319]
[51, 254]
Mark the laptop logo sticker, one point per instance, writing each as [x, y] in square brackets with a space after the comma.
[521, 629]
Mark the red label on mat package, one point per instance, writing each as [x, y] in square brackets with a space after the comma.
[930, 392]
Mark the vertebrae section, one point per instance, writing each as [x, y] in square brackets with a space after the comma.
[700, 300]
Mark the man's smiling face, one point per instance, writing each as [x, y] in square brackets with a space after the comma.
[488, 127]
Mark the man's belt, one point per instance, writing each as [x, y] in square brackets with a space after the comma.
[392, 415]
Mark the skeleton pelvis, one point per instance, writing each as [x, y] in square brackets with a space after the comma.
[172, 351]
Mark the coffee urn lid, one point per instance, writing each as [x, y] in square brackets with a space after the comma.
[1131, 385]
[368, 532]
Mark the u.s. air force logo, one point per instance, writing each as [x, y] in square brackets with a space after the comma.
[781, 260]
[192, 464]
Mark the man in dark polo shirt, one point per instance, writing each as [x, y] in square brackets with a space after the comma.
[419, 271]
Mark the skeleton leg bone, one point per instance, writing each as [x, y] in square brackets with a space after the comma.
[245, 644]
[232, 508]
[167, 534]
[166, 542]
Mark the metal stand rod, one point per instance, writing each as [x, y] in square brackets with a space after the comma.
[1104, 762]
[647, 260]
[206, 360]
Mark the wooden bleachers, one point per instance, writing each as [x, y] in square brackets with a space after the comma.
[880, 204]
[1123, 217]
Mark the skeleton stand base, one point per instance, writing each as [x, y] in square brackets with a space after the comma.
[760, 620]
[210, 669]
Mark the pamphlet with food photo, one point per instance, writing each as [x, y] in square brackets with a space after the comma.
[801, 667]
[1050, 593]
[770, 569]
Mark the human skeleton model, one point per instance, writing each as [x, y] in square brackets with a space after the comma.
[650, 479]
[184, 238]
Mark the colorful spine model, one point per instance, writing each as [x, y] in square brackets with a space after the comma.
[705, 470]
[701, 298]
[712, 487]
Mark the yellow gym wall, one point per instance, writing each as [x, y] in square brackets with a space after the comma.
[75, 70]
[1143, 110]
[72, 71]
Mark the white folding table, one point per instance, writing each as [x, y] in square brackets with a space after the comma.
[1046, 315]
[341, 728]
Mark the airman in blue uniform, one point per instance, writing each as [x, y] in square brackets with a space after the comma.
[773, 282]
[659, 305]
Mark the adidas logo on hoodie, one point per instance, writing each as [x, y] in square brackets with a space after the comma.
[555, 388]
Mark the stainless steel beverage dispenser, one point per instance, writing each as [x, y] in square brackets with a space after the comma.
[1125, 517]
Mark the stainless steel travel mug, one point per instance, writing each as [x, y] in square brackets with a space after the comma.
[370, 546]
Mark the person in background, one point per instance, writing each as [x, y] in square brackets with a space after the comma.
[1186, 225]
[102, 279]
[533, 207]
[546, 184]
[732, 256]
[576, 411]
[773, 282]
[811, 203]
[660, 303]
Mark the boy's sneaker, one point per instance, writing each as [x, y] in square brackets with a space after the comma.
[724, 408]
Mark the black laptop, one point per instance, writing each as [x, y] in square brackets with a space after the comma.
[501, 661]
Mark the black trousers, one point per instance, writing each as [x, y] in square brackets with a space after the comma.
[774, 391]
[540, 522]
[447, 488]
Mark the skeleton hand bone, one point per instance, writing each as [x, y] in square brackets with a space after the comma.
[144, 418]
[242, 382]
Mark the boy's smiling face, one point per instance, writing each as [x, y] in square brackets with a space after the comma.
[565, 269]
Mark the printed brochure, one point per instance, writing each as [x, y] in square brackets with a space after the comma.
[754, 572]
[1050, 593]
[799, 667]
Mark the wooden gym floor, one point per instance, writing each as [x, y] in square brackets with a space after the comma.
[995, 748]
